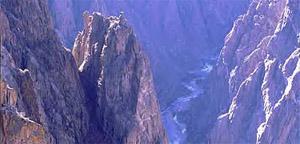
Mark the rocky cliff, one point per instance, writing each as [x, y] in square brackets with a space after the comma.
[253, 93]
[41, 71]
[44, 98]
[117, 79]
[176, 34]
[15, 127]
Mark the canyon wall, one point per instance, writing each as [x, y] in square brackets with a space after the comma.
[41, 71]
[176, 34]
[117, 79]
[252, 94]
[45, 98]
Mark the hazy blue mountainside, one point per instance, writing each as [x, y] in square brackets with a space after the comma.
[176, 34]
[219, 71]
[253, 93]
[101, 92]
[182, 39]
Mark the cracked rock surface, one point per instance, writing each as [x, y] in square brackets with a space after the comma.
[253, 92]
[117, 79]
[45, 98]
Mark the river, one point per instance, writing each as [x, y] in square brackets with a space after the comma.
[175, 128]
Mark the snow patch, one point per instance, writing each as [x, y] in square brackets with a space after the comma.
[207, 68]
[23, 71]
[264, 87]
[291, 78]
[223, 116]
[260, 131]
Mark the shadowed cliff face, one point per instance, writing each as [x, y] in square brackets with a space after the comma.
[252, 95]
[41, 71]
[102, 91]
[117, 80]
[15, 128]
[176, 34]
[45, 99]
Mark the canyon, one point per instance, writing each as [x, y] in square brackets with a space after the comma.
[252, 94]
[176, 34]
[46, 97]
[77, 71]
[263, 76]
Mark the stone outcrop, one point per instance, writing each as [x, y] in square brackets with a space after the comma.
[15, 128]
[253, 94]
[175, 34]
[44, 76]
[45, 98]
[8, 95]
[103, 92]
[117, 80]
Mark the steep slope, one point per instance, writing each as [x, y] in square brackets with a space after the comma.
[35, 64]
[117, 79]
[15, 128]
[253, 94]
[45, 99]
[176, 34]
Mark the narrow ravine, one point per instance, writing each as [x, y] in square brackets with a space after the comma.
[175, 128]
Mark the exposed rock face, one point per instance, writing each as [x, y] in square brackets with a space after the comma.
[117, 79]
[66, 26]
[253, 92]
[15, 128]
[44, 76]
[176, 34]
[42, 99]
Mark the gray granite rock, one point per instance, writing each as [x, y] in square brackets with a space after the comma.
[176, 34]
[109, 99]
[118, 82]
[259, 68]
[42, 71]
